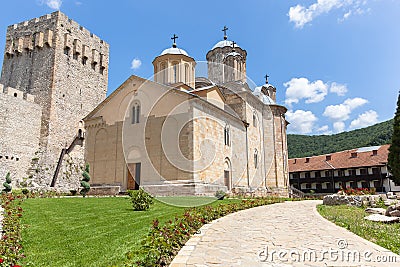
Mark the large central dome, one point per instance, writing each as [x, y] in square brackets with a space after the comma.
[174, 51]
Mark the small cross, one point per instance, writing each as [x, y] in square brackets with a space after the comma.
[224, 30]
[233, 45]
[174, 38]
[266, 78]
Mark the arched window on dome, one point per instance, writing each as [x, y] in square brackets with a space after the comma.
[186, 73]
[163, 72]
[175, 72]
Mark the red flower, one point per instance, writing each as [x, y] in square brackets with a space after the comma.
[1, 260]
[17, 266]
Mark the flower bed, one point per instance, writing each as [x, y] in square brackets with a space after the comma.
[164, 241]
[10, 242]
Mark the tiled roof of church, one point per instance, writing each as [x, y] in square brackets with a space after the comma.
[354, 158]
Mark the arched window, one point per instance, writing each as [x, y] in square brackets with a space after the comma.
[254, 119]
[186, 73]
[227, 138]
[135, 113]
[255, 158]
[175, 73]
[163, 73]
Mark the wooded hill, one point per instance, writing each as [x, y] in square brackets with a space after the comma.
[311, 145]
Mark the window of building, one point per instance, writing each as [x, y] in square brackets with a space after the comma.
[175, 72]
[254, 119]
[255, 158]
[307, 175]
[186, 73]
[75, 56]
[353, 184]
[66, 50]
[340, 173]
[84, 60]
[296, 175]
[328, 173]
[102, 70]
[227, 135]
[352, 172]
[163, 72]
[135, 113]
[94, 65]
[317, 174]
[308, 186]
[363, 172]
[375, 170]
[377, 184]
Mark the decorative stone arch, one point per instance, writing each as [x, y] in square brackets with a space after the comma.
[228, 173]
[227, 135]
[163, 71]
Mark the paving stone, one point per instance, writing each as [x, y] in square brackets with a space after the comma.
[237, 239]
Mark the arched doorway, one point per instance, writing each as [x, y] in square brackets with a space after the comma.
[227, 174]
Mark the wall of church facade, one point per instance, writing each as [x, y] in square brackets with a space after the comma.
[20, 128]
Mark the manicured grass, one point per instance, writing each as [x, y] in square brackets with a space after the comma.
[352, 218]
[87, 231]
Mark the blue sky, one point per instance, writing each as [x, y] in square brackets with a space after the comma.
[335, 63]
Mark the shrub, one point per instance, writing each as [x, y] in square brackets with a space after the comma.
[10, 243]
[7, 184]
[85, 181]
[141, 200]
[220, 194]
[25, 191]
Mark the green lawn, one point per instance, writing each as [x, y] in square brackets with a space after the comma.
[352, 218]
[88, 231]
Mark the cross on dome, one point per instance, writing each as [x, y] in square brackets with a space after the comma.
[174, 38]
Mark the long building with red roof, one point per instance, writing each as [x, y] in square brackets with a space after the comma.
[356, 168]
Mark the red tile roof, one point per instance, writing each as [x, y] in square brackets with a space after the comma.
[354, 158]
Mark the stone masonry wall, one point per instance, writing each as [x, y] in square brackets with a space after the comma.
[19, 130]
[66, 68]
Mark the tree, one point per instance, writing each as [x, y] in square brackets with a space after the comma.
[394, 150]
[7, 184]
[85, 181]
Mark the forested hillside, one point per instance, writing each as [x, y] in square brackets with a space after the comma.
[306, 145]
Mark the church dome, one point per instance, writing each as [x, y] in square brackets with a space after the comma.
[264, 98]
[224, 43]
[174, 51]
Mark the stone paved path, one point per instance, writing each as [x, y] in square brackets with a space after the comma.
[254, 237]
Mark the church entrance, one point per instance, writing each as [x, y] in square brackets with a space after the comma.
[133, 176]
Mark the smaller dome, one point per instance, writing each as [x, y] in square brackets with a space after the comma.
[265, 99]
[224, 43]
[174, 51]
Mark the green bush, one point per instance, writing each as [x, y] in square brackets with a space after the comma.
[141, 200]
[85, 181]
[220, 194]
[25, 191]
[7, 184]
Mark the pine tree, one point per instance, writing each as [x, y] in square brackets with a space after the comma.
[85, 181]
[394, 150]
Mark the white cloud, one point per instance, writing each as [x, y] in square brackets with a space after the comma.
[339, 89]
[368, 118]
[54, 4]
[301, 121]
[324, 130]
[342, 111]
[302, 88]
[339, 126]
[136, 63]
[301, 15]
[312, 92]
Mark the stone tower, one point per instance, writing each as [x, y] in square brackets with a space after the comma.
[174, 65]
[65, 68]
[226, 62]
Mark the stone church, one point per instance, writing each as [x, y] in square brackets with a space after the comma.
[176, 134]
